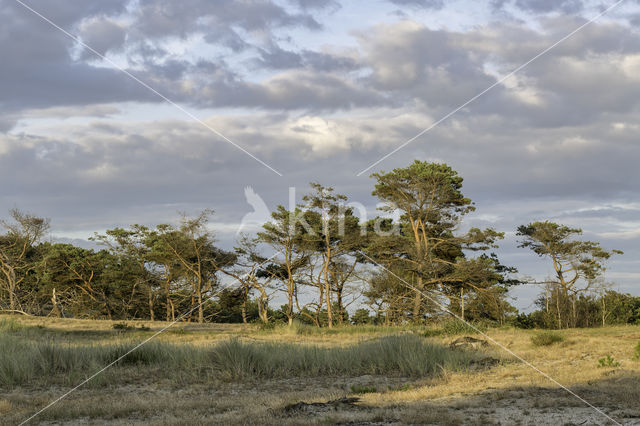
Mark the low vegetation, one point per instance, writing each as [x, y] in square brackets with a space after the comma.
[43, 361]
[608, 361]
[235, 374]
[546, 338]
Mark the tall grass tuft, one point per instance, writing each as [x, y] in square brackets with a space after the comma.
[47, 361]
[406, 355]
[546, 338]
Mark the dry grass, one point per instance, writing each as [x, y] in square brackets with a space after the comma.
[508, 393]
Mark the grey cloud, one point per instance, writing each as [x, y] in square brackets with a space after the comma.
[162, 18]
[317, 4]
[277, 58]
[102, 35]
[427, 4]
[413, 61]
[544, 6]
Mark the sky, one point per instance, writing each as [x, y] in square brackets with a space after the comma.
[156, 106]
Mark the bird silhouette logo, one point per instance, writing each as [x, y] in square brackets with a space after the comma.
[260, 213]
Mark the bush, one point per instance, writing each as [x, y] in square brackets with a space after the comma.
[362, 316]
[636, 353]
[363, 389]
[524, 321]
[609, 361]
[123, 326]
[546, 338]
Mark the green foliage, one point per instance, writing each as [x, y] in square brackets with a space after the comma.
[362, 316]
[608, 361]
[636, 352]
[546, 338]
[359, 389]
[525, 321]
[454, 327]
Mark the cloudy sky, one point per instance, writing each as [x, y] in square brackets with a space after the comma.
[319, 90]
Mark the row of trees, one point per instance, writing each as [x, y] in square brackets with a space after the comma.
[318, 257]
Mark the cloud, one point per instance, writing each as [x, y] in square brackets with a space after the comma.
[542, 6]
[426, 4]
[545, 6]
[93, 149]
[102, 34]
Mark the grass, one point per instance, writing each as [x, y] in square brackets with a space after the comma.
[234, 374]
[546, 338]
[23, 362]
[405, 355]
[358, 389]
[636, 352]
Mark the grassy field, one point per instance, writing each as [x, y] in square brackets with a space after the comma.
[234, 374]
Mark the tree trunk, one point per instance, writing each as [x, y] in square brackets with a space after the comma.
[151, 312]
[290, 308]
[167, 293]
[340, 306]
[54, 301]
[417, 301]
[244, 305]
[462, 303]
[200, 309]
[558, 309]
[263, 312]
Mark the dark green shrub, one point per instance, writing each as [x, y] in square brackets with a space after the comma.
[363, 389]
[546, 338]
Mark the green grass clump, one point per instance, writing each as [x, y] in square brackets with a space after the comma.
[24, 361]
[363, 389]
[10, 325]
[636, 352]
[406, 355]
[608, 361]
[48, 361]
[546, 338]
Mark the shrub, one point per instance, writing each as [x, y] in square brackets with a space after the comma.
[546, 338]
[363, 389]
[122, 326]
[609, 361]
[636, 353]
